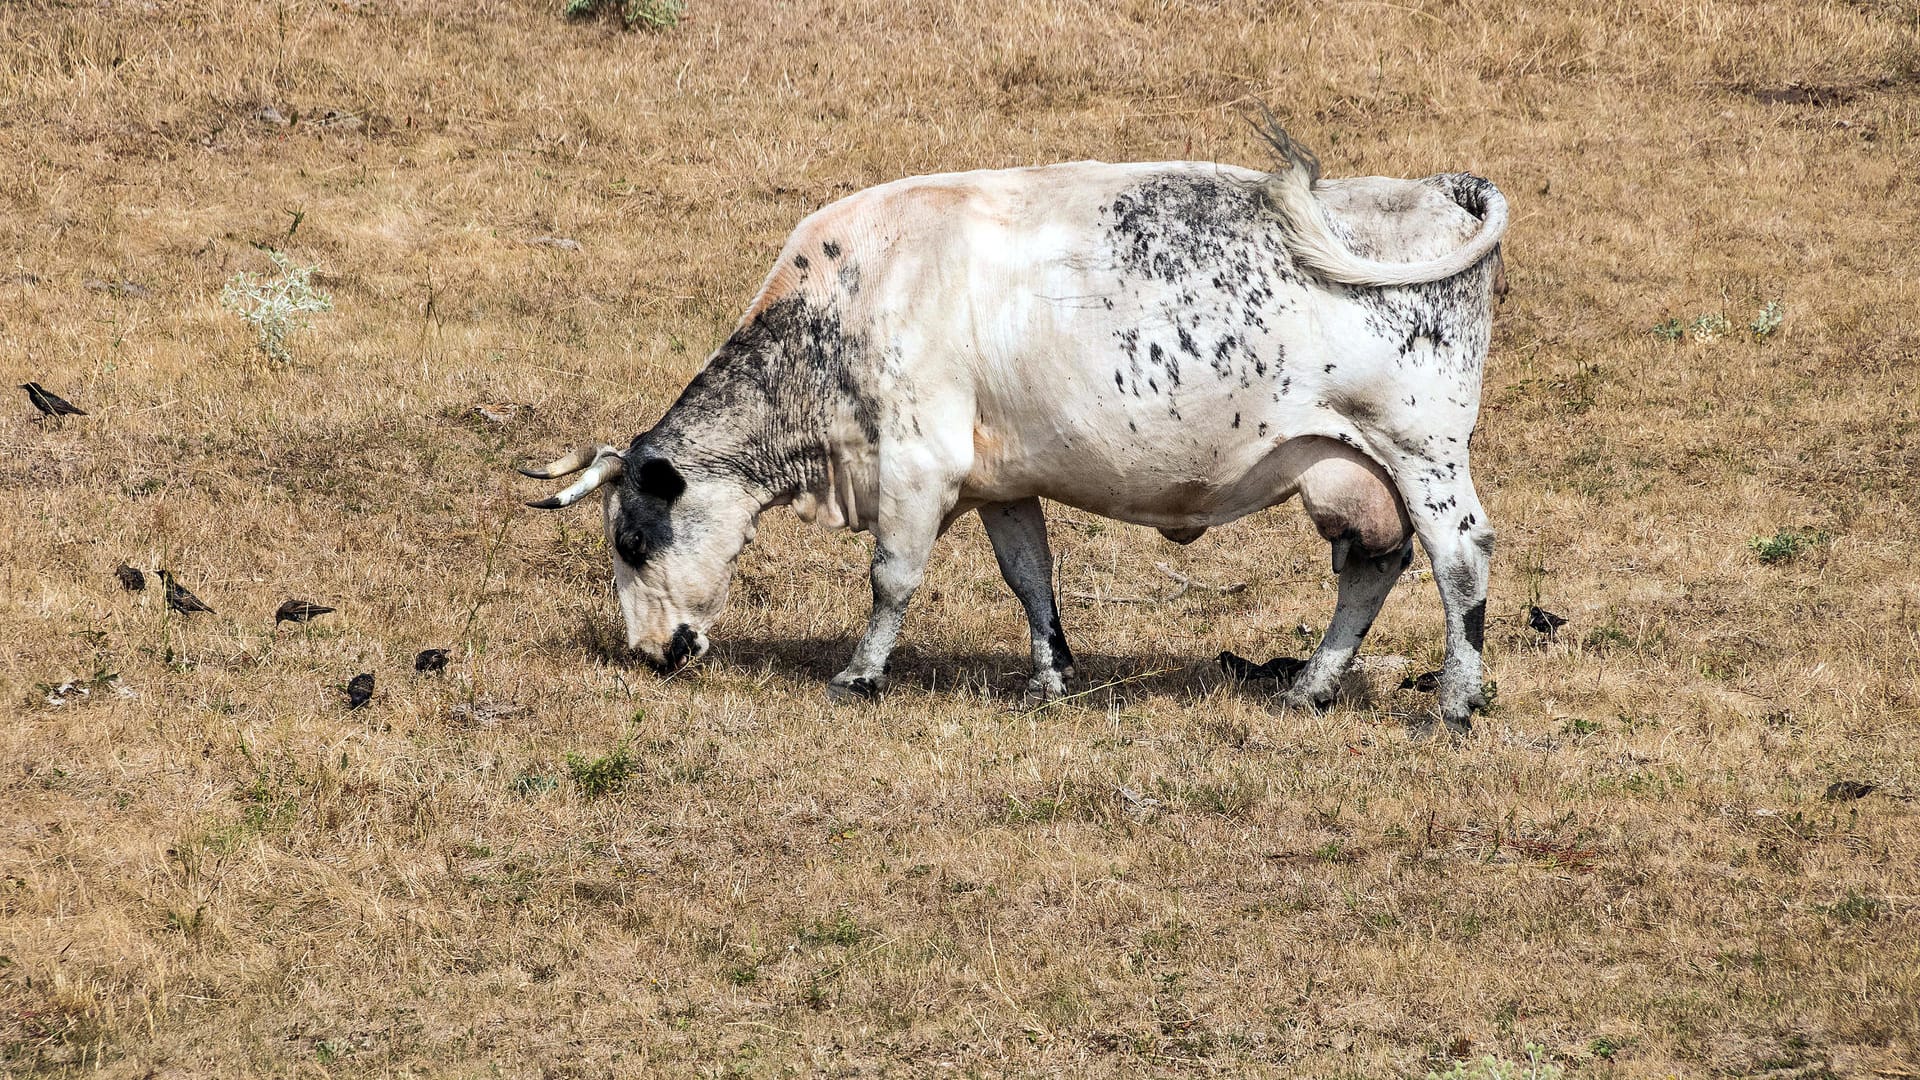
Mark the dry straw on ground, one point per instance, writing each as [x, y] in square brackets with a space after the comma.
[545, 862]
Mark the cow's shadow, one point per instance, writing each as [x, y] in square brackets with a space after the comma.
[1101, 679]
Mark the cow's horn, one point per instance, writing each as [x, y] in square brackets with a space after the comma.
[572, 462]
[607, 465]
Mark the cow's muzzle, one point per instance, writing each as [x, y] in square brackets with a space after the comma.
[687, 644]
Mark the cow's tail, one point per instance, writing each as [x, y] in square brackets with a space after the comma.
[1319, 249]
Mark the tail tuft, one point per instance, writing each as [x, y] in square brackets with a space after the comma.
[1287, 153]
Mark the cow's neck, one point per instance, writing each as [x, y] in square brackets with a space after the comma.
[777, 409]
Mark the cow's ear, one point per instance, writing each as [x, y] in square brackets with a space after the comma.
[657, 477]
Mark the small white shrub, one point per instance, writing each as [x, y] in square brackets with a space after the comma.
[275, 306]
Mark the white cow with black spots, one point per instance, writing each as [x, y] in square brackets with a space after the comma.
[1176, 345]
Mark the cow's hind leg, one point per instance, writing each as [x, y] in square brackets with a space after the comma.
[1460, 542]
[1453, 528]
[1353, 504]
[1364, 585]
[1018, 531]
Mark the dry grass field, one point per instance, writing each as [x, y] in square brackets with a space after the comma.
[547, 861]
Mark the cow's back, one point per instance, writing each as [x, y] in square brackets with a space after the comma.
[1133, 339]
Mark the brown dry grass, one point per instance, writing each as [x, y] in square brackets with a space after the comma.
[225, 872]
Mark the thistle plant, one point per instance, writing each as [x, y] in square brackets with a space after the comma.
[1714, 325]
[1710, 327]
[636, 14]
[275, 306]
[1767, 323]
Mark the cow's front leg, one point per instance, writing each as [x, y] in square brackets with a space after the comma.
[1018, 531]
[903, 540]
[1364, 585]
[1453, 528]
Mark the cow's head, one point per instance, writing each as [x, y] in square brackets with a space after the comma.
[674, 535]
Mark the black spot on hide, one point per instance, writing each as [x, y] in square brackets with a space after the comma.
[642, 525]
[761, 409]
[1207, 228]
[1215, 241]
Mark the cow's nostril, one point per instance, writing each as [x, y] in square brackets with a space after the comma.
[684, 646]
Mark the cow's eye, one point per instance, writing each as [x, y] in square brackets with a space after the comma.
[631, 542]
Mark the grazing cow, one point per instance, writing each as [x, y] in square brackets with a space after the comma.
[1176, 345]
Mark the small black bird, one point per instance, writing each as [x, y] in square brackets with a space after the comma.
[1283, 668]
[50, 403]
[360, 690]
[430, 660]
[299, 611]
[1543, 621]
[131, 579]
[1425, 682]
[1849, 790]
[178, 598]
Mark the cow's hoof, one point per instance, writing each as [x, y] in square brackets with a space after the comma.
[1457, 707]
[1045, 687]
[1302, 698]
[842, 691]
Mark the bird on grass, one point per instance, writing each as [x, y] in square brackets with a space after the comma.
[1849, 790]
[178, 598]
[1425, 682]
[50, 403]
[360, 690]
[430, 660]
[131, 579]
[1283, 668]
[1542, 621]
[299, 611]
